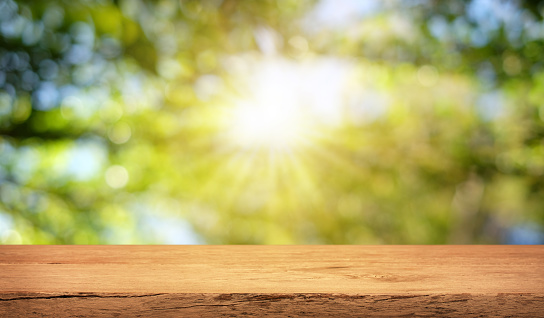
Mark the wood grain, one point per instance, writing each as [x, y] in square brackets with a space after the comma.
[222, 281]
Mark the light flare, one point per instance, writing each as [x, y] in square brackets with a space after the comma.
[274, 127]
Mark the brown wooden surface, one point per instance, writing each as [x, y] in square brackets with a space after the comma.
[214, 281]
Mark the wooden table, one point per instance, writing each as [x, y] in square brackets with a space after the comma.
[230, 281]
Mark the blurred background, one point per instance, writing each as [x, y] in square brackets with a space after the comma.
[271, 122]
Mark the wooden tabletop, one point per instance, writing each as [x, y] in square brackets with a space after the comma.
[271, 280]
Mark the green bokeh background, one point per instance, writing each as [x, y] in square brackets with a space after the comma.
[427, 122]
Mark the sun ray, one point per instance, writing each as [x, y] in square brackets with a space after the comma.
[240, 180]
[218, 176]
[304, 179]
[337, 161]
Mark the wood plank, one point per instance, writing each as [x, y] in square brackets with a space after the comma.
[272, 280]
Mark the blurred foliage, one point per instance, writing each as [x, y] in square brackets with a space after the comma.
[423, 121]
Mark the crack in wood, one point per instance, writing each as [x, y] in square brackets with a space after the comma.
[80, 296]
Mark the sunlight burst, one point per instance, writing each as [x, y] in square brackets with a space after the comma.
[283, 104]
[267, 126]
